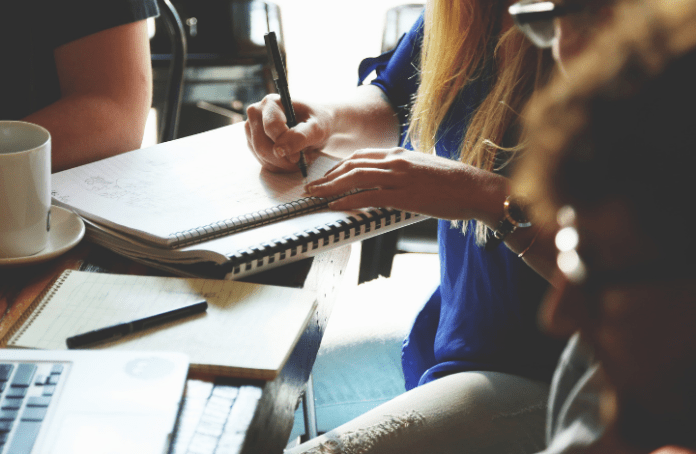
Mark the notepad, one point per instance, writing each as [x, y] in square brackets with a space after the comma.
[186, 191]
[205, 198]
[248, 331]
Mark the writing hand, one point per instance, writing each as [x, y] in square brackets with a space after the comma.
[278, 147]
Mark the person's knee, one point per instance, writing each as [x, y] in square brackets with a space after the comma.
[481, 412]
[488, 393]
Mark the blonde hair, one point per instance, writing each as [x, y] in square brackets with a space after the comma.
[457, 43]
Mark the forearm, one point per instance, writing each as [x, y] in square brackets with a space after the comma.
[362, 119]
[536, 243]
[89, 127]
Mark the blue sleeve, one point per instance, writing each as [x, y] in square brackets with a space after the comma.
[397, 70]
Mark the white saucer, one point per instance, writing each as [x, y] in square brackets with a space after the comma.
[67, 229]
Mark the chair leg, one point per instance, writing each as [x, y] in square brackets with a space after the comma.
[309, 411]
[377, 256]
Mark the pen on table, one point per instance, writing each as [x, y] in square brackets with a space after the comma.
[122, 329]
[281, 83]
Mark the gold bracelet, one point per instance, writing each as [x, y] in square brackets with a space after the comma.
[531, 243]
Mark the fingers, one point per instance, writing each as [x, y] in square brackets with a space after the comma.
[265, 122]
[359, 167]
[364, 169]
[359, 162]
[307, 134]
[274, 144]
[370, 198]
[388, 178]
[273, 117]
[367, 153]
[261, 143]
[361, 179]
[268, 116]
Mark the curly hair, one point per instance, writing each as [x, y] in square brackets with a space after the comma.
[622, 123]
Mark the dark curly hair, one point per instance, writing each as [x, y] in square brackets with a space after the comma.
[623, 123]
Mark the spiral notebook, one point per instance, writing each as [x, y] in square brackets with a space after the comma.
[186, 191]
[205, 198]
[248, 330]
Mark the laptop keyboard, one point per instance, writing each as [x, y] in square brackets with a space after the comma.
[26, 390]
[214, 417]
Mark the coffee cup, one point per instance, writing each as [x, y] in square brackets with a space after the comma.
[25, 188]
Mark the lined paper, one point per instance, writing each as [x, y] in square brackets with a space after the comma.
[248, 330]
[196, 181]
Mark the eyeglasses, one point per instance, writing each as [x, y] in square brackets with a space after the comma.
[578, 273]
[535, 19]
[567, 240]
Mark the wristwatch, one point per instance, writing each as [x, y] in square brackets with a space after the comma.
[514, 217]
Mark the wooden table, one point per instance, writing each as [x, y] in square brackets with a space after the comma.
[273, 416]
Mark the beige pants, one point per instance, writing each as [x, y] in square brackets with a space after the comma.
[468, 412]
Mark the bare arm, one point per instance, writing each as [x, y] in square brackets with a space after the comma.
[434, 186]
[401, 179]
[106, 86]
[539, 249]
[363, 118]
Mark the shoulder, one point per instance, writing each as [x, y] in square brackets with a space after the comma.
[70, 20]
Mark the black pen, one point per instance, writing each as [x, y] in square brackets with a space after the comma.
[122, 329]
[281, 83]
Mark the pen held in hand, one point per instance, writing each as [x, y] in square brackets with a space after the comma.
[281, 83]
[122, 329]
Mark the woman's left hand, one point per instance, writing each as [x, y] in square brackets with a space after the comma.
[413, 181]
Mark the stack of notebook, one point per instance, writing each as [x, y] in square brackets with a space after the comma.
[202, 206]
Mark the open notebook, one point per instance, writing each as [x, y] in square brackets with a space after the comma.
[205, 198]
[248, 331]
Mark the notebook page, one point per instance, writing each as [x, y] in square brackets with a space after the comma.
[180, 185]
[248, 328]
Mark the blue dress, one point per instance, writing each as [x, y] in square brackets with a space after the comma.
[482, 317]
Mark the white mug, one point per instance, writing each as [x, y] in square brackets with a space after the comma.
[25, 188]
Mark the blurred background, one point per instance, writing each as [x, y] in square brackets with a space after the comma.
[327, 39]
[227, 67]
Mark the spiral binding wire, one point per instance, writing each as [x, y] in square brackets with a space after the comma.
[247, 221]
[312, 239]
[34, 310]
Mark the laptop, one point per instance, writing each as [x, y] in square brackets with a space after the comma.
[82, 401]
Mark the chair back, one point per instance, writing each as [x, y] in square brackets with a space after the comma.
[169, 123]
[398, 21]
[226, 32]
[226, 62]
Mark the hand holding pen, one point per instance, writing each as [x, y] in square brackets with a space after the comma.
[281, 82]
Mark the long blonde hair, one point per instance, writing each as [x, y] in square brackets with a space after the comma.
[457, 42]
